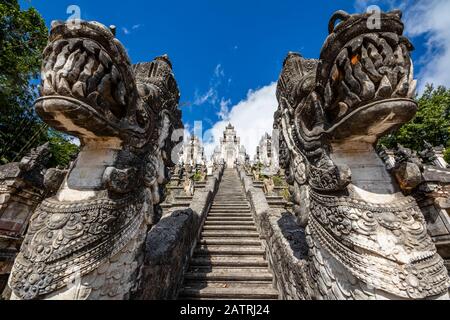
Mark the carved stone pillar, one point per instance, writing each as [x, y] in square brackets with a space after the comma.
[86, 241]
[366, 239]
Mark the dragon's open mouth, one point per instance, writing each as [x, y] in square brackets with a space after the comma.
[85, 70]
[364, 77]
[80, 68]
[374, 119]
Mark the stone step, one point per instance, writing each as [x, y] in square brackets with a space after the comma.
[228, 276]
[228, 250]
[229, 206]
[230, 234]
[237, 242]
[232, 227]
[274, 197]
[181, 204]
[234, 191]
[247, 210]
[233, 207]
[235, 197]
[237, 219]
[229, 211]
[222, 291]
[276, 203]
[227, 217]
[175, 187]
[213, 238]
[230, 214]
[229, 223]
[230, 262]
[236, 194]
[224, 270]
[182, 198]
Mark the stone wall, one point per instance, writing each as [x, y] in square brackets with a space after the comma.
[426, 177]
[22, 188]
[170, 243]
[284, 242]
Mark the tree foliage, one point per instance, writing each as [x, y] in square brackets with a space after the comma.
[431, 123]
[23, 36]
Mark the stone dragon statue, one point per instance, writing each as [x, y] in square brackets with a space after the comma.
[87, 241]
[366, 239]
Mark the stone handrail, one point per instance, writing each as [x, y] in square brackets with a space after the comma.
[284, 242]
[170, 243]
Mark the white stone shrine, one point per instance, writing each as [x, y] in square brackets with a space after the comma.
[193, 152]
[230, 150]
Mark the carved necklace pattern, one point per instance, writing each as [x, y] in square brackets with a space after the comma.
[73, 238]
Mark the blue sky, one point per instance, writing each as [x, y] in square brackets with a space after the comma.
[226, 54]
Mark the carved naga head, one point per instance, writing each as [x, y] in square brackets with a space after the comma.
[365, 76]
[90, 89]
[360, 89]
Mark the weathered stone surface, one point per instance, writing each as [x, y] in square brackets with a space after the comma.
[167, 249]
[86, 242]
[352, 234]
[427, 179]
[170, 243]
[365, 239]
[22, 188]
[229, 261]
[285, 244]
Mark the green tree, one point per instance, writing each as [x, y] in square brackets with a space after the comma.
[63, 151]
[431, 123]
[23, 36]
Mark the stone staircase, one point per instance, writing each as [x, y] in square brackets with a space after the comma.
[275, 200]
[229, 261]
[179, 199]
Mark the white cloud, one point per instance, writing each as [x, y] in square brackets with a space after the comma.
[428, 19]
[224, 109]
[218, 71]
[128, 31]
[252, 117]
[75, 141]
[209, 96]
[362, 5]
[212, 95]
